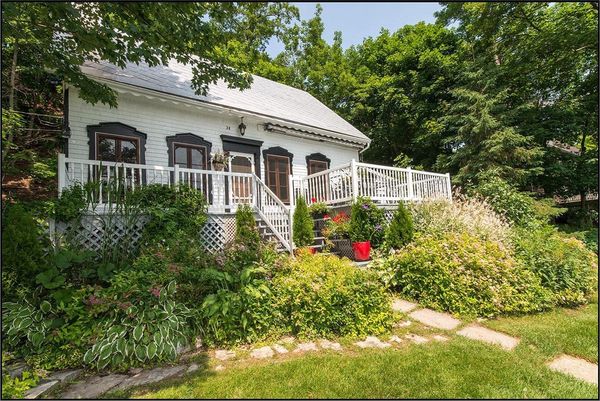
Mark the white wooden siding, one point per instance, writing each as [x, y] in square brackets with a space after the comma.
[159, 118]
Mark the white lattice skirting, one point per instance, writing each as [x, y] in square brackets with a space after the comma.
[96, 231]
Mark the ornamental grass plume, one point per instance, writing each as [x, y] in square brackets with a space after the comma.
[463, 215]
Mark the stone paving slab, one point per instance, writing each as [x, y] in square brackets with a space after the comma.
[576, 367]
[65, 375]
[395, 339]
[435, 319]
[93, 387]
[326, 344]
[306, 347]
[223, 354]
[151, 376]
[417, 339]
[37, 391]
[440, 338]
[480, 333]
[372, 342]
[262, 353]
[400, 305]
[280, 349]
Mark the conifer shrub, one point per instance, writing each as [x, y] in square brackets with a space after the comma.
[303, 224]
[246, 232]
[400, 231]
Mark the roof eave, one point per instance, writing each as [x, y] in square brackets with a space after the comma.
[308, 129]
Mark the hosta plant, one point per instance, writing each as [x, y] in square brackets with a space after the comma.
[148, 332]
[25, 325]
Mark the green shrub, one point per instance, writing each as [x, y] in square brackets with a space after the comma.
[367, 222]
[240, 309]
[506, 200]
[564, 265]
[172, 210]
[71, 204]
[245, 228]
[464, 275]
[400, 230]
[303, 224]
[462, 215]
[23, 255]
[323, 295]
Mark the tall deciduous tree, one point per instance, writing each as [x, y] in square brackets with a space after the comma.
[219, 40]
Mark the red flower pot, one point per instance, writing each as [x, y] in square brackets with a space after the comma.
[362, 250]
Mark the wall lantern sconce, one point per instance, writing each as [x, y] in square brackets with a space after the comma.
[242, 127]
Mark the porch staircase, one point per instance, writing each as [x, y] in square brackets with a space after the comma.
[266, 234]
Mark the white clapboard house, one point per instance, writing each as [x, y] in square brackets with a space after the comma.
[281, 142]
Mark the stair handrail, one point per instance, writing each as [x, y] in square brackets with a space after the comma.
[261, 186]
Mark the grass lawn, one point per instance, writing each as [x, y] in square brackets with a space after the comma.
[459, 368]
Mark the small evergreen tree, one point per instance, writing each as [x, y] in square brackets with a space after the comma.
[303, 224]
[400, 231]
[245, 228]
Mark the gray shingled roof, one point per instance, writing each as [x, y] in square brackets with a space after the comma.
[265, 97]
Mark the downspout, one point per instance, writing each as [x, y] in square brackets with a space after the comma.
[365, 148]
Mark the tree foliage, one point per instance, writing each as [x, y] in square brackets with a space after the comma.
[219, 40]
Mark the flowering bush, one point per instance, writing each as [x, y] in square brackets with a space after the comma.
[337, 227]
[323, 295]
[462, 215]
[367, 222]
[463, 274]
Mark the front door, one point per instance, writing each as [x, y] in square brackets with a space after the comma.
[241, 187]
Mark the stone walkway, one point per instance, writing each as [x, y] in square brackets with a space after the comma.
[95, 386]
[576, 367]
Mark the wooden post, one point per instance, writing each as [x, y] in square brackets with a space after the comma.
[354, 170]
[449, 187]
[291, 219]
[175, 174]
[62, 179]
[409, 178]
[291, 191]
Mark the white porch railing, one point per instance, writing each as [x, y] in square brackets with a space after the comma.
[224, 191]
[384, 185]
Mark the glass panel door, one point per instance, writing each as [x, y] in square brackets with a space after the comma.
[241, 187]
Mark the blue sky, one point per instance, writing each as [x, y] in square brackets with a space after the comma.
[357, 21]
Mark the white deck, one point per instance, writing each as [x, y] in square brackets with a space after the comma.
[224, 191]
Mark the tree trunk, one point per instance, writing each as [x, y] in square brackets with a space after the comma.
[11, 99]
[582, 193]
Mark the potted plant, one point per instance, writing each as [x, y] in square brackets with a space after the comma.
[219, 160]
[366, 227]
[337, 234]
[318, 210]
[303, 226]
